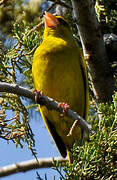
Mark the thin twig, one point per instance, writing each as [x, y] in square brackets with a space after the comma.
[61, 3]
[50, 7]
[38, 26]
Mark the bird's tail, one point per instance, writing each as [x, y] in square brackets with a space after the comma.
[69, 156]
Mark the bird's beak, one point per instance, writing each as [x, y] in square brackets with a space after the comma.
[50, 20]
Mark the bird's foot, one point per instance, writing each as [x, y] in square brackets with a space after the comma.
[37, 94]
[65, 107]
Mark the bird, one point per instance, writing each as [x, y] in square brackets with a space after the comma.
[59, 71]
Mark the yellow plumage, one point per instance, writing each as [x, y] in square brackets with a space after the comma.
[60, 72]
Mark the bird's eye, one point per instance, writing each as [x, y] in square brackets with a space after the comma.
[62, 22]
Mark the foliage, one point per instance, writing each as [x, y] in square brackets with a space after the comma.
[107, 15]
[15, 11]
[97, 158]
[16, 65]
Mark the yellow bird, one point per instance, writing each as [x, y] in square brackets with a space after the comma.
[59, 71]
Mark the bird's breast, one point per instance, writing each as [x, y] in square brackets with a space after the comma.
[57, 73]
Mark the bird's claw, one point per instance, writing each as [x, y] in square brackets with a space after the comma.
[37, 94]
[65, 107]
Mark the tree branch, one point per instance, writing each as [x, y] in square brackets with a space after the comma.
[44, 100]
[89, 29]
[29, 165]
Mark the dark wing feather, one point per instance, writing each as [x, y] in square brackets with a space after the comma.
[56, 137]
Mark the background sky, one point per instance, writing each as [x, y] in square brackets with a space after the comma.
[45, 147]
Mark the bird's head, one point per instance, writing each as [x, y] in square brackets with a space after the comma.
[56, 26]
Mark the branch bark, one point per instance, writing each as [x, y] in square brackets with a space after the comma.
[29, 165]
[45, 100]
[89, 29]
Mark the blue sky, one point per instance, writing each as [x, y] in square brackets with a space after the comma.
[9, 154]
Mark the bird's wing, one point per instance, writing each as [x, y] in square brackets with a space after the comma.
[56, 137]
[85, 78]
